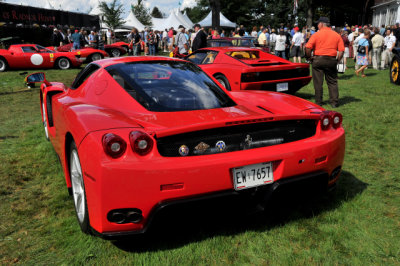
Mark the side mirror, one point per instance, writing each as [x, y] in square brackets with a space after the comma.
[36, 78]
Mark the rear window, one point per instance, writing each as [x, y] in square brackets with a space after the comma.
[244, 54]
[168, 86]
[202, 57]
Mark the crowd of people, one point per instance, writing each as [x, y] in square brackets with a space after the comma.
[82, 38]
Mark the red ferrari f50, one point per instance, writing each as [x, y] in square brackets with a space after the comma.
[137, 134]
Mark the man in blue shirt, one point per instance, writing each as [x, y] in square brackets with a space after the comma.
[76, 39]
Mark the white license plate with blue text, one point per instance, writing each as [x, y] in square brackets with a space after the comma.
[253, 175]
[282, 87]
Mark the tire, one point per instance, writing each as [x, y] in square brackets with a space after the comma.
[95, 57]
[63, 63]
[223, 81]
[3, 65]
[44, 116]
[115, 52]
[395, 70]
[78, 189]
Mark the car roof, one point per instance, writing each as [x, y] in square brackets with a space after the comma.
[128, 59]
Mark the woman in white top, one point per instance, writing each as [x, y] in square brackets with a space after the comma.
[280, 44]
[254, 33]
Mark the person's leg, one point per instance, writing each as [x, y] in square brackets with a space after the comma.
[374, 58]
[318, 79]
[331, 80]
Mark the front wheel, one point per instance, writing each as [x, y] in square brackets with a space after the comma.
[95, 57]
[115, 52]
[223, 81]
[394, 70]
[3, 65]
[78, 189]
[63, 63]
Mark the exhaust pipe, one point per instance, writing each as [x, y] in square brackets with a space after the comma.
[123, 216]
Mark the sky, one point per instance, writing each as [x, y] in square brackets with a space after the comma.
[76, 5]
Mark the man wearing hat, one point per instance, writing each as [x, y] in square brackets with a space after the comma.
[200, 38]
[76, 39]
[181, 41]
[326, 44]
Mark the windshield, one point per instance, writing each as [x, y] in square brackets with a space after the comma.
[42, 49]
[168, 86]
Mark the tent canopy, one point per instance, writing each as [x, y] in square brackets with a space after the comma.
[173, 20]
[132, 22]
[224, 22]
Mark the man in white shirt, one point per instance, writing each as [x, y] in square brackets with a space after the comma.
[351, 39]
[389, 43]
[280, 45]
[297, 41]
[272, 41]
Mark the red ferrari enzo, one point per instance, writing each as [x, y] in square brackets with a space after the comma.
[31, 56]
[239, 68]
[137, 134]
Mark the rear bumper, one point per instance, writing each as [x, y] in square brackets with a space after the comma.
[136, 182]
[260, 195]
[294, 84]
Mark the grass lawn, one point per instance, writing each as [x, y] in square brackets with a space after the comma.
[357, 224]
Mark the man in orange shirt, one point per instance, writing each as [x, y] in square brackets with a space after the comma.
[328, 50]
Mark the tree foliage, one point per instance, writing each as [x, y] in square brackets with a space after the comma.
[112, 14]
[156, 13]
[142, 13]
[277, 12]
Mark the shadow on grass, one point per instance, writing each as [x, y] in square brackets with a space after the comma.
[348, 99]
[198, 222]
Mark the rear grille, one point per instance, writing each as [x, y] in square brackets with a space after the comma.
[276, 75]
[235, 138]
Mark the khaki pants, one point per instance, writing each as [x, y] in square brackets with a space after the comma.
[386, 58]
[376, 57]
[325, 66]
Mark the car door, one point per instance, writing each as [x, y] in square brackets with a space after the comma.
[34, 59]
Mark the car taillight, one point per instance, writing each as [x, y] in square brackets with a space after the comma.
[113, 145]
[330, 118]
[141, 143]
[250, 77]
[337, 119]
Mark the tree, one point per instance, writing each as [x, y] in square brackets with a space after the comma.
[156, 13]
[215, 9]
[112, 14]
[142, 13]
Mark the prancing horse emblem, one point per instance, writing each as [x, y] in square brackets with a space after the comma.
[202, 147]
[248, 140]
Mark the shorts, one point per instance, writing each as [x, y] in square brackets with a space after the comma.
[296, 51]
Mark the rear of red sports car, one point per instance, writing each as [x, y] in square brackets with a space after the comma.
[158, 132]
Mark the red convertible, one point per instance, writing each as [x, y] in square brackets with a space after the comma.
[239, 68]
[31, 56]
[87, 54]
[138, 134]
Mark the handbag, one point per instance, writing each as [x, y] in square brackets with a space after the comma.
[341, 67]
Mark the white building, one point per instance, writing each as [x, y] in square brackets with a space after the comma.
[385, 12]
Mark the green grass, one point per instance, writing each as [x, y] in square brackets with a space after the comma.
[358, 224]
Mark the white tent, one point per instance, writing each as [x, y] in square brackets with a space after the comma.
[187, 19]
[224, 22]
[132, 22]
[186, 23]
[173, 20]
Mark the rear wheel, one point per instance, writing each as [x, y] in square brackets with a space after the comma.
[3, 65]
[394, 70]
[223, 81]
[115, 52]
[78, 189]
[95, 57]
[63, 63]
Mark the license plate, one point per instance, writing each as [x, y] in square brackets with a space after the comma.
[252, 175]
[282, 86]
